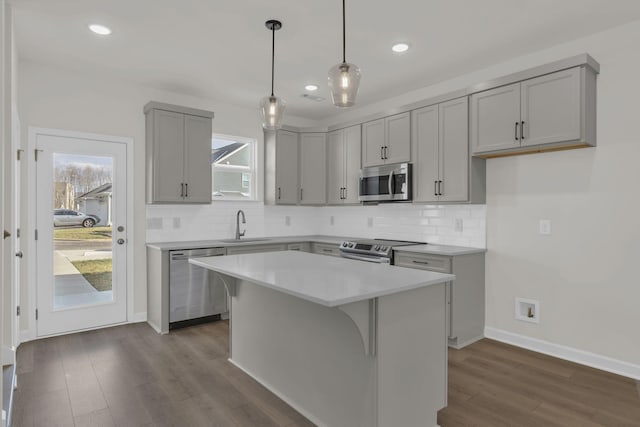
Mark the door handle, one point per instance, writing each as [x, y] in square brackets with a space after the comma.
[301, 194]
[516, 131]
[522, 130]
[120, 241]
[341, 193]
[386, 152]
[435, 187]
[381, 153]
[279, 193]
[186, 189]
[345, 193]
[182, 189]
[439, 188]
[19, 254]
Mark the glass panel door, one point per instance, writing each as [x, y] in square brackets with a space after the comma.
[81, 246]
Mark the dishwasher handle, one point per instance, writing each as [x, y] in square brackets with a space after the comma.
[196, 253]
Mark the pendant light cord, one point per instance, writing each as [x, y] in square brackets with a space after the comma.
[344, 35]
[273, 54]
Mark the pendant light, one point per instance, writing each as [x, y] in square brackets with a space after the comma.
[271, 106]
[344, 78]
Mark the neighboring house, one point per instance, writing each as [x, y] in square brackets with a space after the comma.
[64, 197]
[97, 202]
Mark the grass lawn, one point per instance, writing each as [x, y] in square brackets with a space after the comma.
[97, 272]
[92, 233]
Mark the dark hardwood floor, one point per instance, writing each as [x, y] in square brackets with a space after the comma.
[131, 376]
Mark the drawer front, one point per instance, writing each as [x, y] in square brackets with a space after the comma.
[254, 249]
[325, 249]
[302, 247]
[437, 263]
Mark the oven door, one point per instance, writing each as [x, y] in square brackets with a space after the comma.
[367, 258]
[385, 183]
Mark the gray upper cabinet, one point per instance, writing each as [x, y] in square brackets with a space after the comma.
[313, 159]
[443, 170]
[343, 165]
[554, 111]
[387, 140]
[178, 150]
[286, 168]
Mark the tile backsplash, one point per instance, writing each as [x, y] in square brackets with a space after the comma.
[462, 225]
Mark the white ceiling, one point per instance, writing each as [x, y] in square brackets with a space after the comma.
[221, 49]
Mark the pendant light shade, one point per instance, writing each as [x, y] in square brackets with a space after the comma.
[272, 107]
[344, 78]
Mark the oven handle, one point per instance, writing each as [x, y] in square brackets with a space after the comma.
[377, 260]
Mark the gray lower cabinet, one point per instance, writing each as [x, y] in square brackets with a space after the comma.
[465, 295]
[178, 150]
[387, 140]
[252, 249]
[343, 165]
[325, 249]
[313, 160]
[553, 111]
[443, 169]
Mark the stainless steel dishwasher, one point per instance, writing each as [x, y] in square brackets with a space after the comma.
[196, 294]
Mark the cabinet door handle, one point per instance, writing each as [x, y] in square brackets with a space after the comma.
[301, 194]
[516, 131]
[439, 188]
[182, 189]
[186, 189]
[420, 262]
[279, 193]
[345, 193]
[386, 152]
[522, 130]
[435, 187]
[341, 193]
[381, 153]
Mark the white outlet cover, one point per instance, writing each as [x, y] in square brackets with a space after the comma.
[545, 227]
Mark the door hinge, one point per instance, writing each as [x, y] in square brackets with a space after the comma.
[18, 311]
[36, 234]
[36, 314]
[36, 151]
[17, 233]
[19, 154]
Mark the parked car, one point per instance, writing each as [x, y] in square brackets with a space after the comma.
[63, 217]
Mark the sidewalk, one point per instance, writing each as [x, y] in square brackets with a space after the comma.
[70, 287]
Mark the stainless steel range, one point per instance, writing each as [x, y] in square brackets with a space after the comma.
[372, 250]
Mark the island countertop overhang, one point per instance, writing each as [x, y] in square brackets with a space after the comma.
[328, 281]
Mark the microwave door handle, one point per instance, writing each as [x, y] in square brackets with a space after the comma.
[391, 184]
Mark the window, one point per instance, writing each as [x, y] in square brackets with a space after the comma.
[233, 167]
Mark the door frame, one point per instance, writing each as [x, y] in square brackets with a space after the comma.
[30, 243]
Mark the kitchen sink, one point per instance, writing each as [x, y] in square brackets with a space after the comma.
[257, 239]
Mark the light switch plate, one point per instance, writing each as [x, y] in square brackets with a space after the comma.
[545, 227]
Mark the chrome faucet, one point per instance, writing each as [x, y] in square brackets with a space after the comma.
[244, 221]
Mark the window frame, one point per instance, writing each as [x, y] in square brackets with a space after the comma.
[252, 170]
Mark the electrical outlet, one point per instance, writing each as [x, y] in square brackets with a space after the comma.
[176, 222]
[287, 220]
[545, 227]
[458, 225]
[369, 222]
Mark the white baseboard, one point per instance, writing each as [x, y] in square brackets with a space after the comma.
[138, 317]
[582, 357]
[268, 386]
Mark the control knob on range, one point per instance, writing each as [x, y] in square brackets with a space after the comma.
[350, 245]
[344, 244]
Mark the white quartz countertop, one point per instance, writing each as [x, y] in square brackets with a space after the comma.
[445, 250]
[198, 244]
[328, 281]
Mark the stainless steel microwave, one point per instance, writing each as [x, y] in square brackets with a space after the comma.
[386, 183]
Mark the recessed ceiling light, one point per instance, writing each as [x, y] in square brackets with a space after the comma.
[311, 88]
[400, 47]
[100, 29]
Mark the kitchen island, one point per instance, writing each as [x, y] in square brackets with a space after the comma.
[346, 343]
